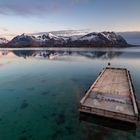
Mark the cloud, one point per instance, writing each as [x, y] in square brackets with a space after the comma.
[2, 29]
[36, 7]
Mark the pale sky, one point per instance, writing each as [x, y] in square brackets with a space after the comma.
[30, 16]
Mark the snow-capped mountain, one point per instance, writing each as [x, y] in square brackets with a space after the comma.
[3, 41]
[113, 37]
[24, 40]
[30, 40]
[52, 40]
[103, 38]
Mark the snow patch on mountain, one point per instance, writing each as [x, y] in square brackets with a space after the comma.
[3, 41]
[52, 36]
[89, 37]
[42, 37]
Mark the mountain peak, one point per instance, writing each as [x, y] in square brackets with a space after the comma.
[23, 35]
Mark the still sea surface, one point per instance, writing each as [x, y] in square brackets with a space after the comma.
[40, 90]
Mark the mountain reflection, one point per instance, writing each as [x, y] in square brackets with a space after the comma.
[52, 54]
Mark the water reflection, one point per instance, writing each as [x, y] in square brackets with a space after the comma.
[106, 122]
[39, 98]
[101, 128]
[53, 54]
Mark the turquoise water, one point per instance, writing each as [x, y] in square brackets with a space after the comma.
[40, 92]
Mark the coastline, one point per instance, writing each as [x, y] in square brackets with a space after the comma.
[69, 46]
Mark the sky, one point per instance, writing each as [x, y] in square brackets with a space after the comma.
[31, 16]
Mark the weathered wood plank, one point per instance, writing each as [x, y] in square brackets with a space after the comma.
[111, 95]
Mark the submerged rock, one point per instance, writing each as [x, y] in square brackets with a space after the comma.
[24, 105]
[30, 89]
[44, 117]
[23, 138]
[45, 93]
[60, 119]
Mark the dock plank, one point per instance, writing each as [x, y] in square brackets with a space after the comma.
[112, 92]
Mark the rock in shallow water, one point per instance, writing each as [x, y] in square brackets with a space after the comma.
[24, 105]
[45, 93]
[23, 138]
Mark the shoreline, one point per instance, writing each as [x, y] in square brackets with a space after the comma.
[102, 46]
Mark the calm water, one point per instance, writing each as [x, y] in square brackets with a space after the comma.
[40, 92]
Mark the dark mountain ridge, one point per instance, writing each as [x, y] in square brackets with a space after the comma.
[102, 39]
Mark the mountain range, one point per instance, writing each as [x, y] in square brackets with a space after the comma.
[102, 39]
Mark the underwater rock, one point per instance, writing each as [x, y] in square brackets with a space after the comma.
[56, 134]
[69, 130]
[43, 81]
[30, 136]
[45, 93]
[23, 138]
[24, 131]
[60, 119]
[44, 117]
[30, 88]
[24, 105]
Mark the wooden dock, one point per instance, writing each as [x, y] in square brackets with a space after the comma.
[112, 96]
